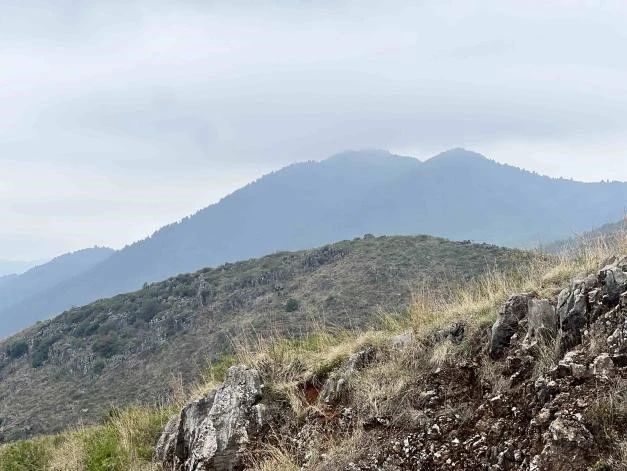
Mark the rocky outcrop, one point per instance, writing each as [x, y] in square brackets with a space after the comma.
[575, 309]
[540, 419]
[506, 325]
[212, 432]
[523, 406]
[541, 322]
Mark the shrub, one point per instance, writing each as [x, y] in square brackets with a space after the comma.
[148, 309]
[17, 349]
[86, 328]
[99, 365]
[41, 350]
[102, 451]
[217, 369]
[184, 291]
[107, 345]
[291, 305]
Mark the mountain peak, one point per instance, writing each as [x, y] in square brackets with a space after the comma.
[458, 155]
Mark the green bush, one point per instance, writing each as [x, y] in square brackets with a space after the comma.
[99, 365]
[184, 291]
[86, 328]
[24, 456]
[102, 450]
[291, 305]
[148, 309]
[218, 368]
[17, 349]
[107, 345]
[41, 350]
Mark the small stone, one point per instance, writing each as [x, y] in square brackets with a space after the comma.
[603, 365]
[401, 341]
[579, 371]
[570, 433]
[543, 417]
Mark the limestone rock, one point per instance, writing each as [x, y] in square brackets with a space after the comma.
[603, 365]
[401, 341]
[569, 433]
[542, 321]
[614, 281]
[212, 432]
[512, 312]
[573, 312]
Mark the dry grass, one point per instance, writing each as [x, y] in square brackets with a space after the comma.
[546, 354]
[273, 458]
[68, 452]
[386, 387]
[607, 420]
[477, 303]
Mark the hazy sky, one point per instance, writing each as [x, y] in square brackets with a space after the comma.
[118, 117]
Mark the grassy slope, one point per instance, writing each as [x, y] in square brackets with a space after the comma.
[137, 347]
[124, 439]
[609, 233]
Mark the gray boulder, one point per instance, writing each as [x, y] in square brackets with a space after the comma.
[614, 281]
[506, 325]
[212, 432]
[542, 321]
[568, 432]
[603, 365]
[573, 313]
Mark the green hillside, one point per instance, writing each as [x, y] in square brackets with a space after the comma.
[134, 347]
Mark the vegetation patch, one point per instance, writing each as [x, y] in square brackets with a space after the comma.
[17, 349]
[30, 455]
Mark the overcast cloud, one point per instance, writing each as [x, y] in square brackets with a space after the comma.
[118, 117]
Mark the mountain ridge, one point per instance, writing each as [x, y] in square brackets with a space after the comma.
[42, 278]
[457, 194]
[94, 352]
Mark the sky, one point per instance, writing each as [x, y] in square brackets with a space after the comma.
[119, 117]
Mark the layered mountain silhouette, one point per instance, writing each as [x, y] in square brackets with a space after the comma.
[10, 268]
[458, 195]
[14, 289]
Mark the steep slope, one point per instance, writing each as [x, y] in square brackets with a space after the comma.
[126, 349]
[17, 288]
[458, 195]
[543, 389]
[481, 379]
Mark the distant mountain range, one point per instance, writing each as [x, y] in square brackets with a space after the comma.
[14, 267]
[458, 195]
[14, 289]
